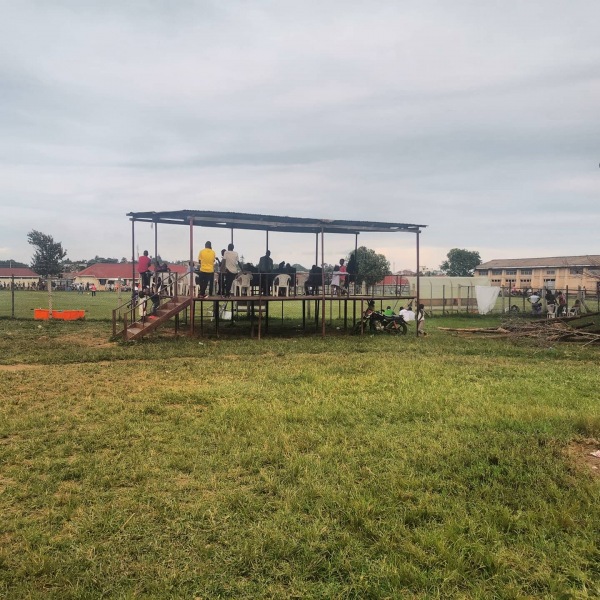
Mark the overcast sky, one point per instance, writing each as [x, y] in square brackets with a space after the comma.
[479, 119]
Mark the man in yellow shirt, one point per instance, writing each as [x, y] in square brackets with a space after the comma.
[206, 258]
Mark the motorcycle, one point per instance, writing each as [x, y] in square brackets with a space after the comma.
[378, 322]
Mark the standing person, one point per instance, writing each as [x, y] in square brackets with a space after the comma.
[142, 305]
[93, 289]
[155, 295]
[550, 303]
[534, 300]
[265, 268]
[335, 281]
[206, 258]
[421, 320]
[222, 271]
[144, 263]
[343, 278]
[232, 265]
[352, 272]
[562, 304]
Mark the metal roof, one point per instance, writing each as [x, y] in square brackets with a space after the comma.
[233, 220]
[17, 272]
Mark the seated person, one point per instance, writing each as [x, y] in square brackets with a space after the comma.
[314, 281]
[575, 309]
[407, 314]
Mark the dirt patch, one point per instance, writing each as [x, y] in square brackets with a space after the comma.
[86, 341]
[581, 454]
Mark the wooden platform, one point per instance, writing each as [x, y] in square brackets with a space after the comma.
[257, 308]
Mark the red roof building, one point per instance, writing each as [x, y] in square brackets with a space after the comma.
[18, 272]
[24, 277]
[107, 275]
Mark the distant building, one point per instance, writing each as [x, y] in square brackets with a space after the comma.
[108, 276]
[25, 278]
[553, 273]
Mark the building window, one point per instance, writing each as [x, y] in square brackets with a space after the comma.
[511, 272]
[576, 270]
[482, 272]
[525, 271]
[550, 272]
[496, 271]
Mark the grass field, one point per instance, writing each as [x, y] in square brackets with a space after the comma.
[346, 467]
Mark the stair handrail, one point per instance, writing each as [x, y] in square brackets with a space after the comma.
[127, 311]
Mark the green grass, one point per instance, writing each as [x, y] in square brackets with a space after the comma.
[300, 467]
[98, 307]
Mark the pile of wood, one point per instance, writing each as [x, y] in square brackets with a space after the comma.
[584, 328]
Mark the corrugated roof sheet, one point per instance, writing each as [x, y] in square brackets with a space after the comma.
[17, 272]
[233, 220]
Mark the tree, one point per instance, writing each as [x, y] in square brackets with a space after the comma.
[372, 267]
[49, 255]
[12, 264]
[461, 263]
[100, 259]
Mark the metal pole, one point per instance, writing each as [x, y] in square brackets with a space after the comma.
[356, 269]
[444, 300]
[468, 297]
[12, 294]
[323, 281]
[418, 283]
[155, 239]
[132, 259]
[192, 307]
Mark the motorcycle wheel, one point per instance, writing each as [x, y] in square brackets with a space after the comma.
[401, 329]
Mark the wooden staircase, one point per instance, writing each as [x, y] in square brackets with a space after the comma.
[165, 311]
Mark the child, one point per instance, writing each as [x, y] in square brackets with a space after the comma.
[142, 305]
[389, 312]
[335, 281]
[421, 320]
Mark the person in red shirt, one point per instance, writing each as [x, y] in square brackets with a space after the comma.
[144, 269]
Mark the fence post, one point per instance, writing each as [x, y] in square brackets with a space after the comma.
[444, 300]
[12, 294]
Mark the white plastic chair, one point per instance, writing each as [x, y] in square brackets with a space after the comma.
[242, 283]
[300, 281]
[281, 282]
[551, 314]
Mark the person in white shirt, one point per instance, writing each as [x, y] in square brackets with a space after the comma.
[421, 320]
[232, 265]
[407, 314]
